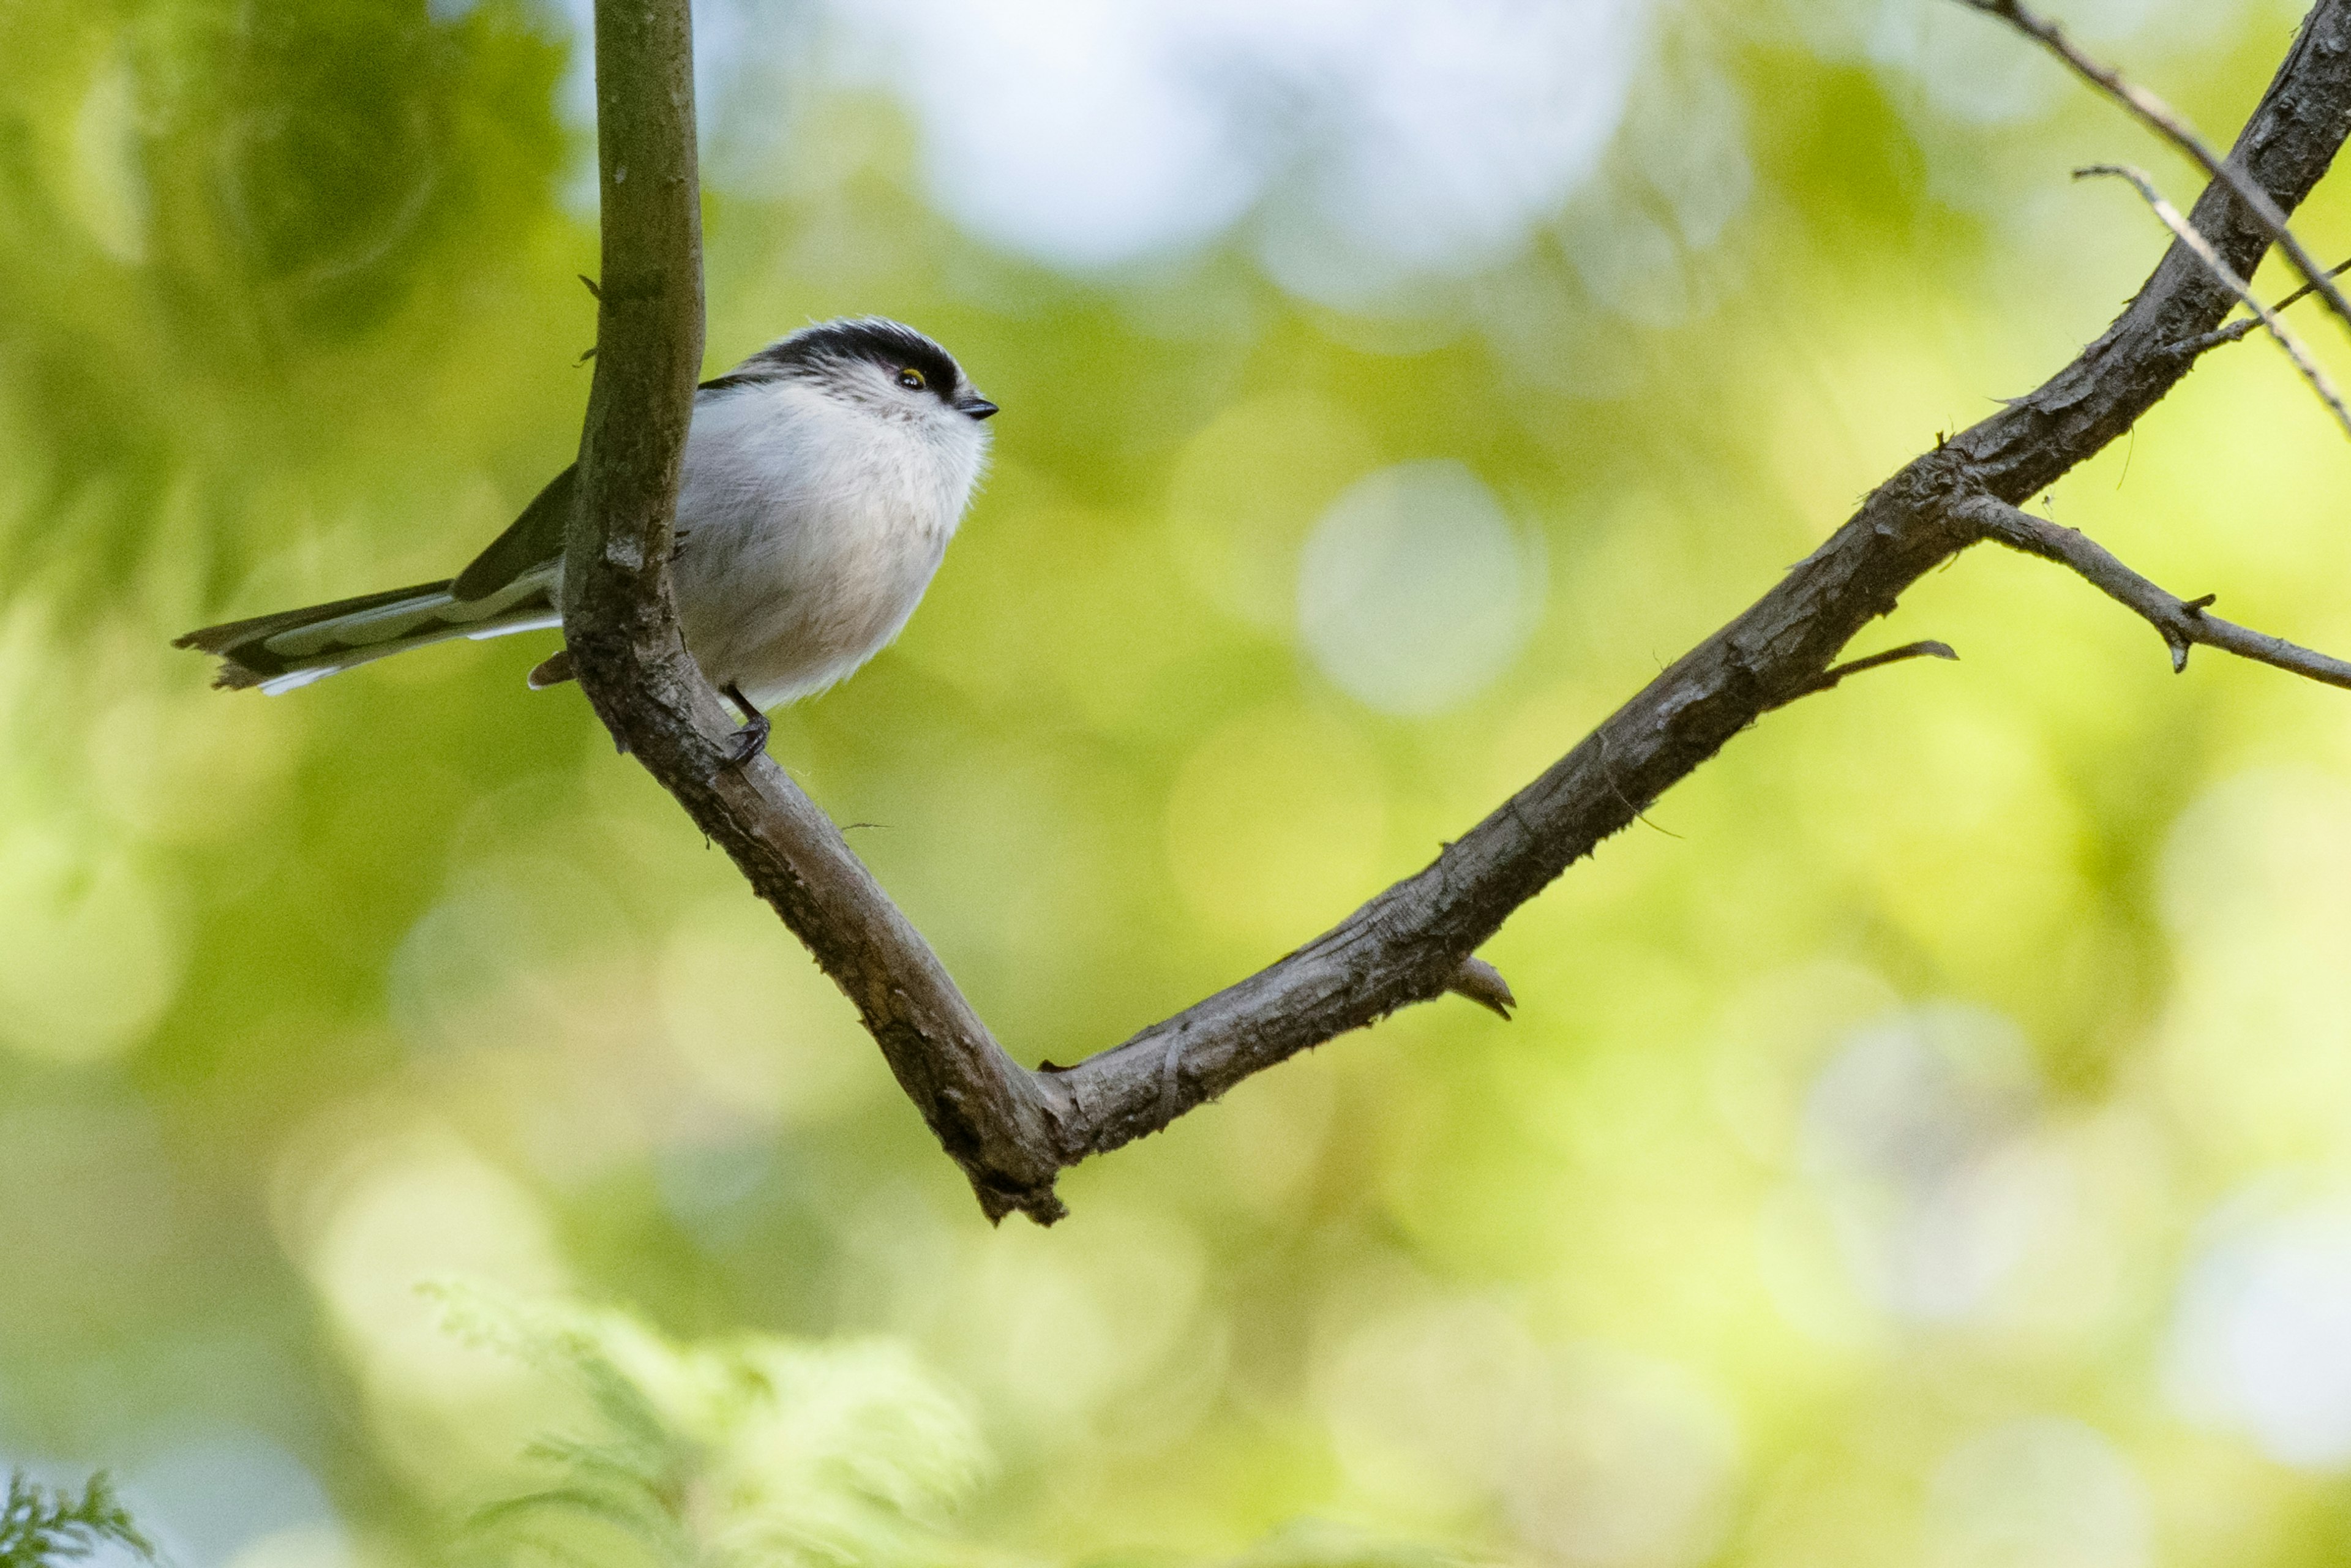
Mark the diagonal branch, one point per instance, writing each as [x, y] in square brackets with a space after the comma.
[2220, 269]
[2181, 623]
[2166, 123]
[1012, 1130]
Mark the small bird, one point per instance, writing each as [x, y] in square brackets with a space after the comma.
[823, 478]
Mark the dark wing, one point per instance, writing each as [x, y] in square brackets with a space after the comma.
[532, 540]
[536, 537]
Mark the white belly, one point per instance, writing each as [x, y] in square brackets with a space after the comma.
[808, 532]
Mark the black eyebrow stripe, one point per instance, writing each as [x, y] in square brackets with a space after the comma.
[889, 344]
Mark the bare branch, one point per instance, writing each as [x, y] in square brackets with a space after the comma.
[2220, 269]
[618, 619]
[2246, 325]
[2307, 289]
[2166, 123]
[1830, 677]
[1012, 1130]
[2181, 623]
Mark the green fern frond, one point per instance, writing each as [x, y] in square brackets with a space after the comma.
[750, 1451]
[40, 1525]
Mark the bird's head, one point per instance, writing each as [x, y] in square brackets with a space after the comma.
[882, 366]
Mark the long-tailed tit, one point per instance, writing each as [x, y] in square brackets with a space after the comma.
[823, 478]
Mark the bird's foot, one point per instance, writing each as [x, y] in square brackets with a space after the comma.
[748, 742]
[752, 739]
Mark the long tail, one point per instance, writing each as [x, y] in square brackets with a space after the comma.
[278, 652]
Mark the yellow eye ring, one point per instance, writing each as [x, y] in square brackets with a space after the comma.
[912, 379]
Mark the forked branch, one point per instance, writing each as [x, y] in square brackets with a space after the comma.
[1012, 1130]
[2181, 623]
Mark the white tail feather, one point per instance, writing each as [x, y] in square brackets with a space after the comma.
[362, 636]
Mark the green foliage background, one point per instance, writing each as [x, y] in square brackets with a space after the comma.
[406, 977]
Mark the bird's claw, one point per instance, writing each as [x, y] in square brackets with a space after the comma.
[748, 742]
[752, 739]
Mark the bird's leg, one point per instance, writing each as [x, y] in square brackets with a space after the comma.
[752, 739]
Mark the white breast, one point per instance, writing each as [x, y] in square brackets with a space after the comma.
[808, 527]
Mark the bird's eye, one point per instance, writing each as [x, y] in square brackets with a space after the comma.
[912, 379]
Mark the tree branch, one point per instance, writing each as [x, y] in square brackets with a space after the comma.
[2166, 123]
[618, 620]
[1012, 1130]
[2181, 623]
[620, 626]
[2263, 314]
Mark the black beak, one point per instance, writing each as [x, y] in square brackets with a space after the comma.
[976, 407]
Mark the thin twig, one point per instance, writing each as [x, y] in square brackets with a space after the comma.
[2307, 289]
[2181, 623]
[2247, 325]
[1834, 673]
[2166, 123]
[2236, 284]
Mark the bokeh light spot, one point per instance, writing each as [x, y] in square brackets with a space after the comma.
[2042, 1492]
[1409, 139]
[1918, 1136]
[231, 1499]
[2260, 1339]
[1415, 591]
[2257, 1039]
[93, 957]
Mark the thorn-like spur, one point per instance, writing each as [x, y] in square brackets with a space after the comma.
[1482, 983]
[752, 739]
[1836, 672]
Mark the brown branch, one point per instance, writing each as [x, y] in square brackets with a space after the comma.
[619, 622]
[1012, 1130]
[2181, 623]
[2220, 269]
[2166, 123]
